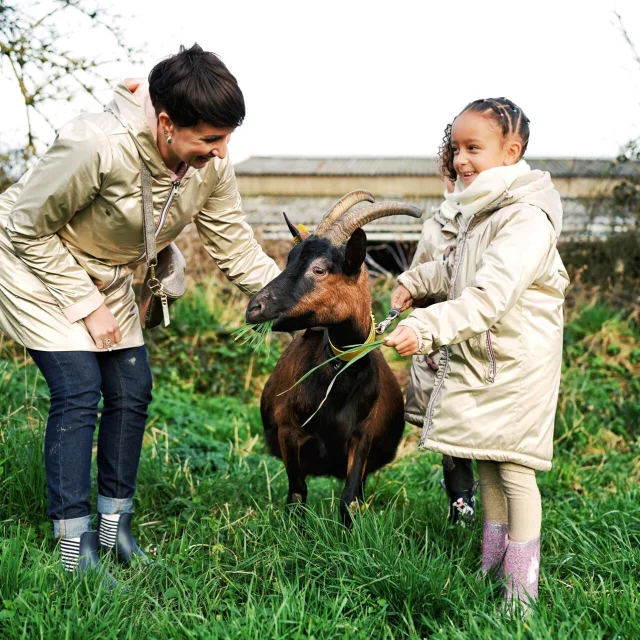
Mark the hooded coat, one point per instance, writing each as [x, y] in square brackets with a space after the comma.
[71, 229]
[500, 330]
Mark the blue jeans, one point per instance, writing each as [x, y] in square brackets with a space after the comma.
[77, 380]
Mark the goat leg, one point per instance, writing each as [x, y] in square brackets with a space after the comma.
[358, 452]
[290, 448]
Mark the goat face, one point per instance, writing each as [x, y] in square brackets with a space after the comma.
[317, 287]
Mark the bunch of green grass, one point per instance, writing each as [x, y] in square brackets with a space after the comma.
[366, 350]
[257, 336]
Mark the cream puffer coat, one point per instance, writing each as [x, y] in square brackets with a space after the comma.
[500, 331]
[71, 231]
[438, 237]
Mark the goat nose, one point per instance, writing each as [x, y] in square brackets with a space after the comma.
[254, 309]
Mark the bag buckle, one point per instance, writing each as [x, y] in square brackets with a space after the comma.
[155, 285]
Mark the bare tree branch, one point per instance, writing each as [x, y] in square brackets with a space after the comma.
[35, 55]
[627, 37]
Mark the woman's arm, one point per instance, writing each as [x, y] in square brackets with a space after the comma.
[229, 240]
[65, 180]
[510, 264]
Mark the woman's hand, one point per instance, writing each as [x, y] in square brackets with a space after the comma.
[401, 299]
[103, 327]
[404, 339]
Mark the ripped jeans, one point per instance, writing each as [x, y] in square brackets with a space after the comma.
[77, 380]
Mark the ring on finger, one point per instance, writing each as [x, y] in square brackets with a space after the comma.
[107, 342]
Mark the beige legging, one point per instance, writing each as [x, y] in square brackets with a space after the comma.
[510, 494]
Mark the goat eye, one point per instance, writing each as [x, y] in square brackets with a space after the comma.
[319, 271]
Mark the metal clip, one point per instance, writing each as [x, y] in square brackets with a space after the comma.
[381, 327]
[155, 285]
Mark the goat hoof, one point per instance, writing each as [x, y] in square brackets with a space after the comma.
[347, 519]
[297, 497]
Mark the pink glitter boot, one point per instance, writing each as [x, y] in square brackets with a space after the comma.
[521, 569]
[494, 544]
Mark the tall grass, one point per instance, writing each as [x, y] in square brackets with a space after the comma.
[234, 563]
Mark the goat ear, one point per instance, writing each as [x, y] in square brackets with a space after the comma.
[356, 251]
[299, 234]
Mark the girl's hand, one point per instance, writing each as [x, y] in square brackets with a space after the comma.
[401, 299]
[404, 340]
[103, 327]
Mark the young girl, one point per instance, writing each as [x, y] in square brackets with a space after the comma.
[499, 332]
[437, 240]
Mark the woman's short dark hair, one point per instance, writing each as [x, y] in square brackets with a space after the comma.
[193, 87]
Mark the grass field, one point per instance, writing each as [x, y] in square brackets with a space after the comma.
[233, 563]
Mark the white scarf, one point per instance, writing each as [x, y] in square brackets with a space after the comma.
[486, 189]
[447, 209]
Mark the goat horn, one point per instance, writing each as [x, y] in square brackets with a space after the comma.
[339, 208]
[345, 226]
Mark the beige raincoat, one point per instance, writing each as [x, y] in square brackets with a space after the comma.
[500, 331]
[71, 229]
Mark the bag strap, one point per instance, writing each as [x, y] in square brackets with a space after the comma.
[147, 219]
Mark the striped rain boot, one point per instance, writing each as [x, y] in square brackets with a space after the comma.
[80, 556]
[115, 535]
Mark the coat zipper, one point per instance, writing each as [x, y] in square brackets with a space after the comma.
[445, 350]
[444, 369]
[492, 358]
[113, 281]
[167, 205]
[488, 344]
[452, 294]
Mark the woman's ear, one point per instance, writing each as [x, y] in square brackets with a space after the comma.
[165, 122]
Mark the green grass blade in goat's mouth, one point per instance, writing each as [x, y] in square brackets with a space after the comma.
[257, 336]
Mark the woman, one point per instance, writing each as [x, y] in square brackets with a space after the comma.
[71, 236]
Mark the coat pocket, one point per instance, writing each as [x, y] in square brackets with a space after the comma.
[491, 357]
[479, 355]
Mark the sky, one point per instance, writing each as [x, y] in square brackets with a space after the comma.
[383, 78]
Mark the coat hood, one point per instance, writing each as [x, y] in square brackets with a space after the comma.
[536, 188]
[503, 186]
[132, 106]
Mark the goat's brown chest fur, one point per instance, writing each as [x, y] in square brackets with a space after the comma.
[357, 430]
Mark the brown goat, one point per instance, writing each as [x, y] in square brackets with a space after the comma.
[324, 290]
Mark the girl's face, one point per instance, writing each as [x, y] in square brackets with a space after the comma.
[478, 144]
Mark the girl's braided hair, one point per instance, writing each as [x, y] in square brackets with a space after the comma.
[505, 113]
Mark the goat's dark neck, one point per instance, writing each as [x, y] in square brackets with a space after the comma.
[356, 328]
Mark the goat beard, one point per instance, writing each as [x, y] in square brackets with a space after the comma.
[302, 321]
[295, 323]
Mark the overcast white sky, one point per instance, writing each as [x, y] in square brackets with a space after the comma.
[352, 77]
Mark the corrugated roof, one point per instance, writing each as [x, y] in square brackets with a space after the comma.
[427, 166]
